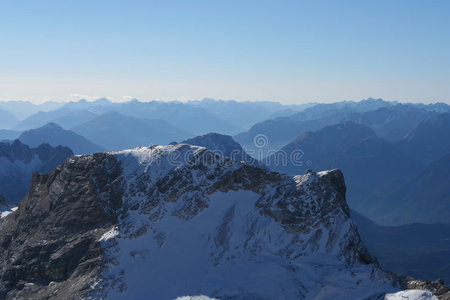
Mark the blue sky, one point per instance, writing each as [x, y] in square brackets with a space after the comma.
[289, 51]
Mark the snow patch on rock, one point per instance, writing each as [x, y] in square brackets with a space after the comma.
[109, 234]
[411, 295]
[195, 298]
[4, 214]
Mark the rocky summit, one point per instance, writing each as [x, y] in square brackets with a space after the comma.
[165, 222]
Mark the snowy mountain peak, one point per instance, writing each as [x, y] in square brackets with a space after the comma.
[171, 221]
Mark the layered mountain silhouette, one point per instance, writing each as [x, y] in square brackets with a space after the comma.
[280, 131]
[370, 164]
[191, 118]
[7, 119]
[115, 131]
[393, 122]
[18, 162]
[6, 134]
[245, 114]
[55, 135]
[430, 140]
[75, 118]
[24, 109]
[390, 121]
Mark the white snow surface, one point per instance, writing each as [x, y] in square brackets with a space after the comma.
[411, 295]
[110, 234]
[195, 298]
[225, 247]
[4, 214]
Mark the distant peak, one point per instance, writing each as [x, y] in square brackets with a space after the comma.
[102, 101]
[51, 125]
[212, 136]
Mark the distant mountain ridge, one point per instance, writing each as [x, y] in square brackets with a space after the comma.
[244, 113]
[24, 109]
[115, 131]
[430, 140]
[19, 161]
[177, 114]
[7, 119]
[54, 135]
[390, 120]
[370, 164]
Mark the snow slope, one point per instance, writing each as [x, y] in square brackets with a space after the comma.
[411, 295]
[198, 224]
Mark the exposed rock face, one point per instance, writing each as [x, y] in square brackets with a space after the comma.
[18, 162]
[179, 220]
[49, 246]
[436, 287]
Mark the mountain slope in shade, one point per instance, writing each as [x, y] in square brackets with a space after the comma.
[369, 163]
[280, 131]
[6, 134]
[392, 123]
[75, 118]
[190, 118]
[115, 131]
[68, 115]
[41, 118]
[177, 114]
[156, 221]
[223, 145]
[24, 109]
[7, 119]
[417, 250]
[430, 140]
[244, 113]
[18, 162]
[54, 135]
[424, 198]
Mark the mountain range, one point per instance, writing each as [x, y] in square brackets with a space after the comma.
[390, 120]
[430, 140]
[54, 135]
[24, 109]
[370, 164]
[18, 162]
[7, 120]
[115, 131]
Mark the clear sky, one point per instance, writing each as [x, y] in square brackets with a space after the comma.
[289, 51]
